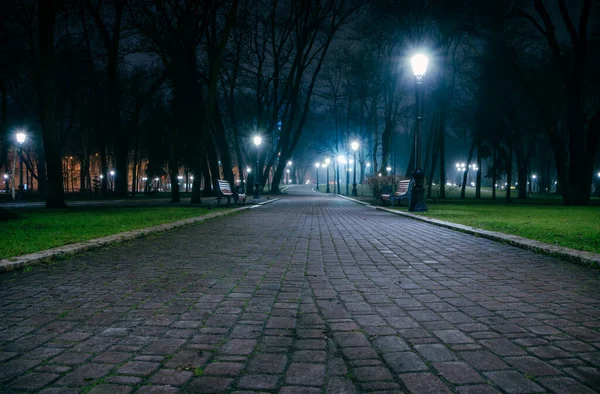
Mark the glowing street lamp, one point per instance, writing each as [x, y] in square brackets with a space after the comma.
[354, 145]
[257, 141]
[21, 137]
[327, 161]
[317, 165]
[419, 64]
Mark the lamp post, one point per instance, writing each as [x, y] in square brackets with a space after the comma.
[340, 160]
[460, 168]
[289, 164]
[317, 165]
[257, 141]
[417, 201]
[354, 147]
[327, 161]
[367, 170]
[112, 180]
[21, 137]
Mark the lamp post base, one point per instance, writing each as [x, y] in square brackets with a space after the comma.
[417, 198]
[354, 191]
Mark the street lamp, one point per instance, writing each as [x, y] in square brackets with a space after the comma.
[21, 137]
[340, 160]
[112, 180]
[354, 146]
[388, 169]
[327, 161]
[289, 164]
[419, 64]
[257, 142]
[317, 165]
[460, 168]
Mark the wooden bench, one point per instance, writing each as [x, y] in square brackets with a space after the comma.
[402, 193]
[226, 192]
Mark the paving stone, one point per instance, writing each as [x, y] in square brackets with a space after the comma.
[404, 362]
[119, 379]
[305, 374]
[369, 374]
[351, 339]
[171, 377]
[503, 347]
[258, 382]
[477, 389]
[139, 368]
[423, 383]
[513, 382]
[33, 381]
[389, 344]
[60, 390]
[16, 367]
[71, 358]
[452, 336]
[564, 385]
[85, 375]
[436, 352]
[111, 389]
[156, 390]
[238, 346]
[268, 363]
[209, 384]
[221, 368]
[457, 372]
[483, 360]
[340, 385]
[532, 366]
[309, 356]
[299, 390]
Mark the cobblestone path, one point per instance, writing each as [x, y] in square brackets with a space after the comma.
[306, 295]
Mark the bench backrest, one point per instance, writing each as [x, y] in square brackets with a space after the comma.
[403, 187]
[224, 187]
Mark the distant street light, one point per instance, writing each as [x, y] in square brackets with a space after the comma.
[388, 169]
[327, 161]
[419, 64]
[112, 180]
[21, 137]
[317, 165]
[257, 142]
[354, 146]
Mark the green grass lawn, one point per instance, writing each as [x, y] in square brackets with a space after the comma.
[572, 227]
[40, 229]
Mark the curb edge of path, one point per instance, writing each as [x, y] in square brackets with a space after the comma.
[13, 263]
[580, 257]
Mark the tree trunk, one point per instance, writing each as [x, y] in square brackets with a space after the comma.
[221, 141]
[442, 150]
[208, 191]
[47, 93]
[174, 166]
[509, 173]
[494, 170]
[478, 176]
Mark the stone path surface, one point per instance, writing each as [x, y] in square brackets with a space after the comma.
[311, 294]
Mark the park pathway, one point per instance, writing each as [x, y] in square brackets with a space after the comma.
[310, 294]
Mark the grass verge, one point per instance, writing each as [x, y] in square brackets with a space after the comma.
[39, 229]
[571, 227]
